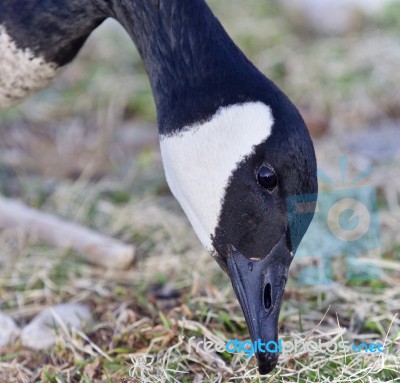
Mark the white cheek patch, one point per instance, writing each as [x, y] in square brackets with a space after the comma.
[199, 160]
[21, 73]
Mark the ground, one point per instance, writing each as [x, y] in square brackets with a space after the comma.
[86, 149]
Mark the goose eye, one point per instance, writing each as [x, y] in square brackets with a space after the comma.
[267, 178]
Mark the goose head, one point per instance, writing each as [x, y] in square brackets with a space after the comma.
[235, 152]
[233, 175]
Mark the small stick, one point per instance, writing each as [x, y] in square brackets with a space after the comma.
[96, 248]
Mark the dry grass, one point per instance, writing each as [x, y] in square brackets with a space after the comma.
[78, 150]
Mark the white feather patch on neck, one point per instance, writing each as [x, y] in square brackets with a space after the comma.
[199, 160]
[21, 73]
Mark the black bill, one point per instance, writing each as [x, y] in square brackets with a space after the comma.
[259, 287]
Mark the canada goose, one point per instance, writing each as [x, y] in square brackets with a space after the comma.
[234, 147]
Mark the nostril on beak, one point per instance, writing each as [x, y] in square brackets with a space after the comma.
[267, 297]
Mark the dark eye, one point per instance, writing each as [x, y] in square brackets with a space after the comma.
[267, 178]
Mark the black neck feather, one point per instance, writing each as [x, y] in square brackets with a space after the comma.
[193, 65]
[52, 29]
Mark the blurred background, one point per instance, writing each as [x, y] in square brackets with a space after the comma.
[86, 149]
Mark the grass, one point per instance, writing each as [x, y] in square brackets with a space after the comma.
[83, 149]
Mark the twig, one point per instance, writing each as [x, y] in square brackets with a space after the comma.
[95, 247]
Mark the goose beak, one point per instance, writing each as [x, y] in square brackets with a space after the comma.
[259, 287]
